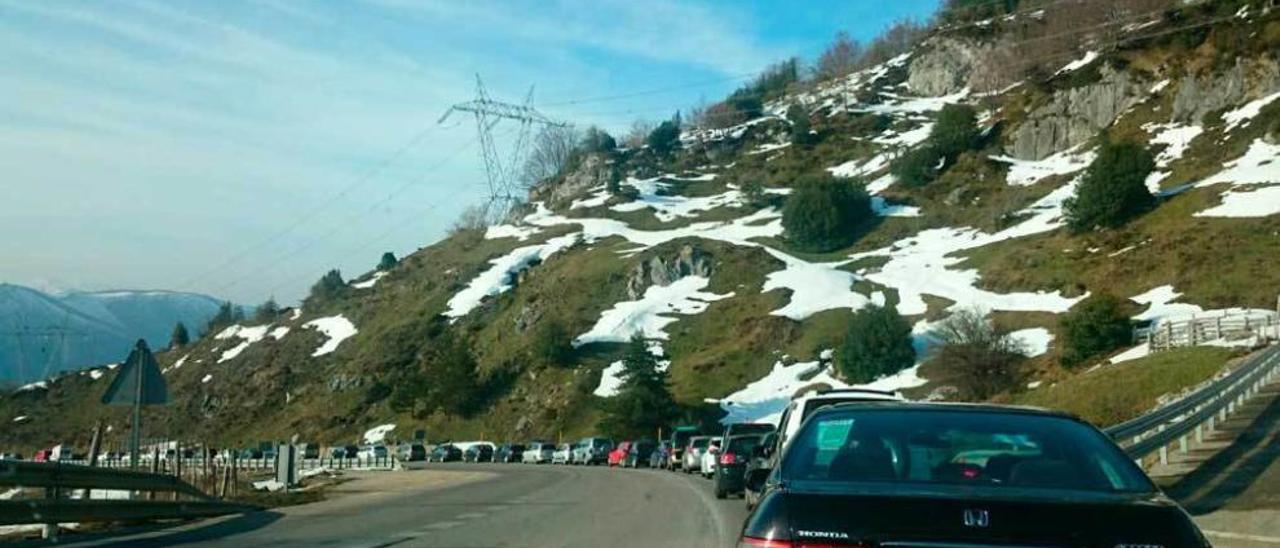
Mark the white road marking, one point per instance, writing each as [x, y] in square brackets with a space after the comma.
[1242, 536]
[472, 515]
[441, 525]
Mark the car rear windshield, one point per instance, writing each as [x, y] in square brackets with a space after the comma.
[701, 443]
[743, 445]
[963, 448]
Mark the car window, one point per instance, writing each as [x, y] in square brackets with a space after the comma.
[743, 445]
[701, 443]
[968, 449]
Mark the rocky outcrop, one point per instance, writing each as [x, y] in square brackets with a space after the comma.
[593, 171]
[1199, 95]
[1074, 116]
[662, 271]
[946, 66]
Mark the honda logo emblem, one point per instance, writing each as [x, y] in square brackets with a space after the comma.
[977, 518]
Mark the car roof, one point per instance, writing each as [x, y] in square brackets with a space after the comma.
[951, 407]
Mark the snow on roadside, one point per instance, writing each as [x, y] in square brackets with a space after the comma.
[497, 279]
[814, 287]
[651, 313]
[335, 328]
[1260, 165]
[372, 281]
[378, 434]
[1030, 172]
[1035, 341]
[1248, 112]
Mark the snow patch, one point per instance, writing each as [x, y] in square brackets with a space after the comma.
[814, 287]
[650, 314]
[1245, 114]
[1030, 172]
[335, 328]
[1260, 165]
[497, 279]
[669, 207]
[378, 433]
[521, 232]
[372, 281]
[1078, 64]
[206, 379]
[1034, 340]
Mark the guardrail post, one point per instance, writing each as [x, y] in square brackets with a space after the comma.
[1200, 432]
[1182, 444]
[1164, 455]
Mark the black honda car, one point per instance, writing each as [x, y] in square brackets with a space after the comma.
[874, 474]
[732, 465]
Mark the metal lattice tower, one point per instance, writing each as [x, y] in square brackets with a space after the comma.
[504, 187]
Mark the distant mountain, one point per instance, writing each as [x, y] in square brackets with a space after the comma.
[41, 334]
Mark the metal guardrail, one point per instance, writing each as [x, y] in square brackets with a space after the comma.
[60, 479]
[1198, 411]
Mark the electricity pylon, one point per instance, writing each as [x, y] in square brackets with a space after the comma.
[504, 186]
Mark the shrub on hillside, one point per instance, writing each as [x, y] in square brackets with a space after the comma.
[1094, 327]
[979, 357]
[955, 131]
[227, 315]
[917, 167]
[179, 337]
[267, 312]
[801, 129]
[596, 140]
[329, 287]
[753, 193]
[552, 344]
[877, 343]
[666, 137]
[1113, 190]
[388, 261]
[824, 213]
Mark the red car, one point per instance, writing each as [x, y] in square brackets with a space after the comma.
[619, 453]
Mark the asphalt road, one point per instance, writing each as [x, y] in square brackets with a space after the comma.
[497, 505]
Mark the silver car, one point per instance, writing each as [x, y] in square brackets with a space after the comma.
[538, 453]
[692, 460]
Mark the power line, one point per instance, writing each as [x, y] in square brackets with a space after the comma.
[349, 221]
[359, 181]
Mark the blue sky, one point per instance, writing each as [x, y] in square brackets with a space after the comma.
[243, 148]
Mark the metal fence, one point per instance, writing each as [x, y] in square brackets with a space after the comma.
[66, 489]
[1198, 413]
[1194, 331]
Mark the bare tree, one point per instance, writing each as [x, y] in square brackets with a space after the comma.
[639, 133]
[552, 149]
[473, 218]
[840, 58]
[899, 38]
[978, 356]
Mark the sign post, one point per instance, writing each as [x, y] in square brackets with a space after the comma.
[138, 383]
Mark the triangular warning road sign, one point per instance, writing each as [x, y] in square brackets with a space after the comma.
[124, 388]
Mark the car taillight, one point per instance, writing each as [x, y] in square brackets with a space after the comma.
[728, 458]
[753, 542]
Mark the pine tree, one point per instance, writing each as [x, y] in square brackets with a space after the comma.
[455, 388]
[801, 130]
[955, 131]
[877, 343]
[1113, 190]
[643, 403]
[227, 315]
[388, 261]
[666, 137]
[1094, 327]
[824, 213]
[179, 338]
[267, 312]
[330, 286]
